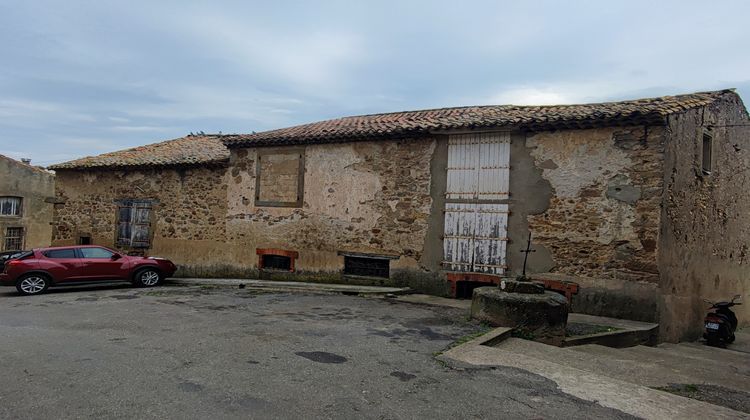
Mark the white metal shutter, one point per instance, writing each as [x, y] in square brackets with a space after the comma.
[490, 238]
[475, 234]
[458, 240]
[478, 166]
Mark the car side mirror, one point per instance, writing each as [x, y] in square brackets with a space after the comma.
[116, 257]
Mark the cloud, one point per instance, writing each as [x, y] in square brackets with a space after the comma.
[85, 77]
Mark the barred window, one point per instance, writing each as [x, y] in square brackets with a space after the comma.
[134, 223]
[10, 206]
[13, 239]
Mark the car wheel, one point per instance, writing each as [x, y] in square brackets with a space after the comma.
[32, 284]
[147, 277]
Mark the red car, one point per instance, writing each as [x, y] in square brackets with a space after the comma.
[34, 271]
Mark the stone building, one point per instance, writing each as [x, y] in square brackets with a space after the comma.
[26, 198]
[640, 202]
[166, 199]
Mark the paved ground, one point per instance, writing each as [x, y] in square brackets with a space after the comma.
[192, 352]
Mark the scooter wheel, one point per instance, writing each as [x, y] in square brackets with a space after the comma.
[713, 340]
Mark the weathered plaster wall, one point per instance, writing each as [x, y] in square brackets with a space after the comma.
[37, 189]
[367, 197]
[704, 245]
[189, 214]
[591, 199]
[602, 219]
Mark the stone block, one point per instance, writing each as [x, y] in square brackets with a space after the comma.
[541, 317]
[515, 286]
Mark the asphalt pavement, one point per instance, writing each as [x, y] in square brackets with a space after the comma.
[202, 352]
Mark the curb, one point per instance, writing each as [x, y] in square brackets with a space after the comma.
[278, 286]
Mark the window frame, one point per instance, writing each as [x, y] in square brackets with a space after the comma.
[75, 253]
[82, 255]
[300, 178]
[21, 238]
[19, 206]
[383, 258]
[707, 152]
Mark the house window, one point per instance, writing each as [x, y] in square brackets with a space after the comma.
[13, 239]
[134, 223]
[277, 262]
[276, 259]
[279, 179]
[10, 206]
[84, 240]
[707, 152]
[367, 266]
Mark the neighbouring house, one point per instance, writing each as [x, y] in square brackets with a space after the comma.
[165, 199]
[640, 202]
[26, 198]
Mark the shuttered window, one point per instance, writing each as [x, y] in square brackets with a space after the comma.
[10, 206]
[476, 215]
[134, 223]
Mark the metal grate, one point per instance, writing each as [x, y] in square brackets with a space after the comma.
[13, 239]
[277, 262]
[364, 266]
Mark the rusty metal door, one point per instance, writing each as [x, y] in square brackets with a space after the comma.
[476, 219]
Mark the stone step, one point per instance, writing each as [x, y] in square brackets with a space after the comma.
[638, 353]
[700, 350]
[625, 365]
[700, 369]
[629, 395]
[628, 333]
[647, 373]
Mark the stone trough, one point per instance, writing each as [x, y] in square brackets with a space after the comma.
[525, 306]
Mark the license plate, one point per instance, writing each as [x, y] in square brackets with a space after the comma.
[712, 326]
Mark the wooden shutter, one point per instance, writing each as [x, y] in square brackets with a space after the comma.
[134, 224]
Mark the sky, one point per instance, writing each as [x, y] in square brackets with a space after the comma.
[80, 78]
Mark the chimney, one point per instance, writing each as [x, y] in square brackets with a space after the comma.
[26, 161]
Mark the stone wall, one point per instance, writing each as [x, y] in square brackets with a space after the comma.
[704, 246]
[188, 214]
[36, 188]
[364, 197]
[602, 220]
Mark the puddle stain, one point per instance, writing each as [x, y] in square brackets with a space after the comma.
[188, 386]
[322, 357]
[124, 297]
[403, 376]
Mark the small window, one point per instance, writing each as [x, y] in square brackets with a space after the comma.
[100, 253]
[279, 179]
[277, 262]
[10, 206]
[367, 266]
[707, 153]
[61, 253]
[13, 239]
[134, 223]
[84, 240]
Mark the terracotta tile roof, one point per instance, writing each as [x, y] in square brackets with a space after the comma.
[185, 151]
[418, 123]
